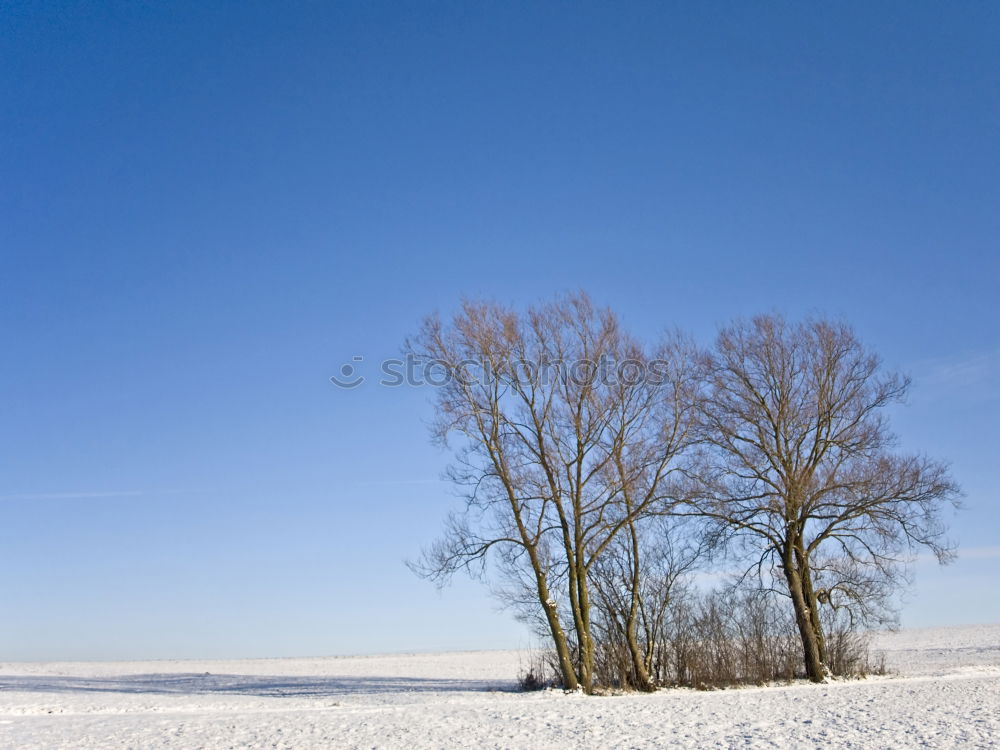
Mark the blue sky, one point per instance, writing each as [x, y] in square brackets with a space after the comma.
[205, 208]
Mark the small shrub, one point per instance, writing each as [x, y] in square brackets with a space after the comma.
[538, 675]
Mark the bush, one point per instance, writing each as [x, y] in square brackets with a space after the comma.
[848, 651]
[538, 675]
[718, 639]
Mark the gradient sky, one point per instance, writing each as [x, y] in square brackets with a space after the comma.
[206, 208]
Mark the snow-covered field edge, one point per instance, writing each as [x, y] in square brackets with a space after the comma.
[944, 690]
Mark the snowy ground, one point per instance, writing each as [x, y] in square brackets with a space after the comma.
[946, 693]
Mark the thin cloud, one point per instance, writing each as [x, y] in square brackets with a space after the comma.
[88, 495]
[379, 482]
[986, 552]
[968, 370]
[979, 553]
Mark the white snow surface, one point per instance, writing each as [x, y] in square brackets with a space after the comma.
[944, 692]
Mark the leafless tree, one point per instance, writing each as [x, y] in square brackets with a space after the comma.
[565, 432]
[634, 581]
[798, 462]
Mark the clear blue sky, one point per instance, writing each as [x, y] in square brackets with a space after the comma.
[205, 208]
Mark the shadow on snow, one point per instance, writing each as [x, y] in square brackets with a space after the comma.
[234, 684]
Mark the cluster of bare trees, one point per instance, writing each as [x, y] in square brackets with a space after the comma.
[599, 473]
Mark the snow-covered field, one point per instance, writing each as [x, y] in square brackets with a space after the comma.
[946, 693]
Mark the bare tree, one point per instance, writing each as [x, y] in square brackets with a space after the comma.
[799, 463]
[634, 581]
[564, 432]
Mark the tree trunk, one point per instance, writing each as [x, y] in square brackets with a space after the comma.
[569, 678]
[583, 633]
[812, 604]
[639, 669]
[803, 619]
